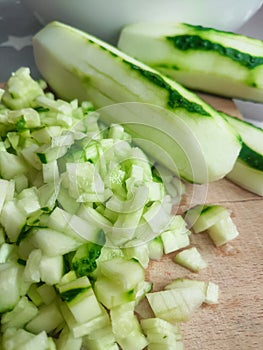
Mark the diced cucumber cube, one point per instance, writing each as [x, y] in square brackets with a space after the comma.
[48, 318]
[138, 251]
[212, 293]
[174, 240]
[12, 227]
[86, 328]
[126, 273]
[101, 339]
[79, 297]
[50, 172]
[176, 305]
[110, 294]
[11, 165]
[66, 341]
[32, 272]
[47, 293]
[51, 269]
[9, 291]
[126, 327]
[19, 339]
[28, 200]
[155, 247]
[191, 259]
[223, 231]
[52, 242]
[200, 217]
[22, 313]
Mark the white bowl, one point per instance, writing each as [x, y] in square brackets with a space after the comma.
[105, 18]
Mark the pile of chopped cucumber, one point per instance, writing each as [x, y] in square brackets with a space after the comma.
[82, 212]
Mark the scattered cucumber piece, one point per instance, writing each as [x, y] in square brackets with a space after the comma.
[201, 217]
[215, 219]
[191, 259]
[223, 231]
[176, 305]
[160, 114]
[205, 59]
[210, 289]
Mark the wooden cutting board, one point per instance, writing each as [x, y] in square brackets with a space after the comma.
[236, 323]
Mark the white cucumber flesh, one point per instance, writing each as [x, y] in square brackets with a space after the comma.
[169, 122]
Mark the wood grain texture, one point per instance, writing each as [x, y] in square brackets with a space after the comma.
[236, 323]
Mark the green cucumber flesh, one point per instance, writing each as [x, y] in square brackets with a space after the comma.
[200, 58]
[169, 122]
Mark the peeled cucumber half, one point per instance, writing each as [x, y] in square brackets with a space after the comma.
[173, 125]
[200, 58]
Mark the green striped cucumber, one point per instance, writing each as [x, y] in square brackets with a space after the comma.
[171, 124]
[200, 58]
